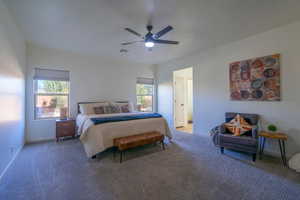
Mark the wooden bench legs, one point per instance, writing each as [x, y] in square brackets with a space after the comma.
[163, 144]
[122, 152]
[121, 155]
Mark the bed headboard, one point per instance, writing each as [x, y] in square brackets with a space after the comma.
[88, 102]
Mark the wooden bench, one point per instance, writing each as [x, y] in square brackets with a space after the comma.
[128, 142]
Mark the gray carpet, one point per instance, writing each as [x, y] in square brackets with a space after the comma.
[190, 168]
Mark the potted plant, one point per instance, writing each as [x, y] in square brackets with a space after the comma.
[272, 128]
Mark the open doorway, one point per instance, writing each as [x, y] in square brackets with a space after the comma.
[183, 99]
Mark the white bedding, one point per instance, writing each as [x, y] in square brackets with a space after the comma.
[97, 138]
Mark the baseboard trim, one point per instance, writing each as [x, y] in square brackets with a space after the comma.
[10, 162]
[40, 140]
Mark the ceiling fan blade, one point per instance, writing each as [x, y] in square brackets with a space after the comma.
[163, 32]
[127, 43]
[133, 32]
[165, 42]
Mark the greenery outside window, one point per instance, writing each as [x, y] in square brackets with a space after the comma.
[51, 97]
[145, 95]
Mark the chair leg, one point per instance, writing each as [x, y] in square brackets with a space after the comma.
[284, 155]
[114, 151]
[254, 157]
[163, 144]
[222, 150]
[121, 155]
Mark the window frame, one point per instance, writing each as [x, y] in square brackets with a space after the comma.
[36, 94]
[143, 95]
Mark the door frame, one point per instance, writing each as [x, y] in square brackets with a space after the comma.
[179, 118]
[173, 95]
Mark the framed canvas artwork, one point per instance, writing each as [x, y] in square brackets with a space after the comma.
[256, 79]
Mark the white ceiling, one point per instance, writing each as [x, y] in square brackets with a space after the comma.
[96, 26]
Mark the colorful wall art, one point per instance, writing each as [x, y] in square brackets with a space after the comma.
[256, 79]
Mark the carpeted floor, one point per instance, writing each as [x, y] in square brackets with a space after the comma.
[190, 168]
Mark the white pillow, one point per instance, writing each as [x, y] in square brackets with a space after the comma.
[294, 162]
[88, 108]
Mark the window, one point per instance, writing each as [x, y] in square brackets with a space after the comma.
[145, 94]
[51, 93]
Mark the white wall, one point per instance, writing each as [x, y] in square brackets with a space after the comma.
[92, 79]
[211, 83]
[12, 88]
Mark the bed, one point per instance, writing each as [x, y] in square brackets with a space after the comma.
[97, 131]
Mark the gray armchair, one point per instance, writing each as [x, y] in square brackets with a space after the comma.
[248, 142]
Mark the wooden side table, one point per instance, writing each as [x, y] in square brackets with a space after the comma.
[281, 137]
[65, 127]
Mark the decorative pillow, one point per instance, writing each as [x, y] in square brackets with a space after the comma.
[125, 108]
[129, 104]
[88, 108]
[238, 126]
[115, 109]
[112, 109]
[99, 110]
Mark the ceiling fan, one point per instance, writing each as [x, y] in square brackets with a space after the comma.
[151, 39]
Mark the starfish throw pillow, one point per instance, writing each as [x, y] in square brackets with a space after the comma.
[238, 126]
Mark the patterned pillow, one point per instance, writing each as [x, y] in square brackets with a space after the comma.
[112, 109]
[238, 126]
[129, 104]
[125, 108]
[99, 110]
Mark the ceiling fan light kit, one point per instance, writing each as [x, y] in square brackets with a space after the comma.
[151, 39]
[149, 44]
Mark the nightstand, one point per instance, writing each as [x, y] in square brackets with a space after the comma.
[65, 127]
[281, 137]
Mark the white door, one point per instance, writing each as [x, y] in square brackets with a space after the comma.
[179, 102]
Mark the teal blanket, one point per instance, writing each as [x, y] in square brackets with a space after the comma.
[102, 120]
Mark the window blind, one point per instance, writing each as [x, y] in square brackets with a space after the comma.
[50, 74]
[149, 81]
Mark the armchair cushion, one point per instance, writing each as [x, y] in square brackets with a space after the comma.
[252, 119]
[242, 140]
[238, 126]
[241, 143]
